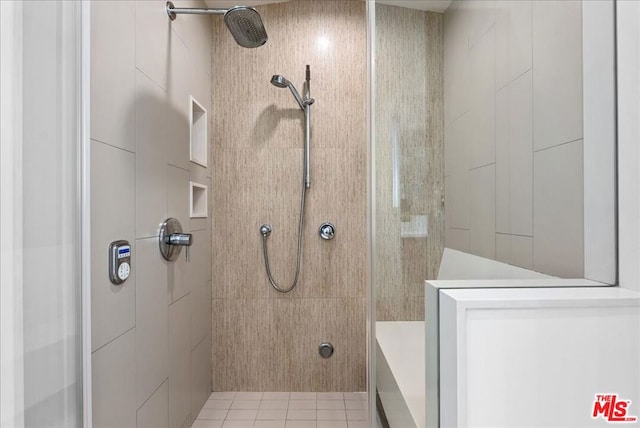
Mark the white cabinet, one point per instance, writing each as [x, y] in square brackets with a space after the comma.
[534, 357]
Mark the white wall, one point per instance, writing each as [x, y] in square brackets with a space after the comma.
[151, 336]
[513, 133]
[628, 15]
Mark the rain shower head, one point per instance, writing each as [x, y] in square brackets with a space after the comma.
[246, 27]
[244, 23]
[280, 82]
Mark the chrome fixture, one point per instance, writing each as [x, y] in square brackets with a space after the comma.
[171, 240]
[243, 22]
[327, 231]
[325, 350]
[265, 230]
[305, 105]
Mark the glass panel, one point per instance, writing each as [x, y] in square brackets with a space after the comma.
[496, 110]
[409, 153]
[40, 215]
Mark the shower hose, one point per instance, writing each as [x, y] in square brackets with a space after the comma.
[273, 282]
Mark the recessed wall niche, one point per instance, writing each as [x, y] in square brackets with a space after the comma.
[198, 200]
[198, 133]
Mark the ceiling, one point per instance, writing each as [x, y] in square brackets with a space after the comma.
[429, 5]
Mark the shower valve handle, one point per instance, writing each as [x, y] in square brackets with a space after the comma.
[184, 239]
[171, 239]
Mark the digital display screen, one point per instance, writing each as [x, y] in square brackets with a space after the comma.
[123, 250]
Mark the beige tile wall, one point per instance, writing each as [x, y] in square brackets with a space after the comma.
[151, 335]
[263, 340]
[408, 110]
[513, 132]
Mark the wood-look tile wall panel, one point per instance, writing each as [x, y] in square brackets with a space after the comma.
[264, 340]
[409, 110]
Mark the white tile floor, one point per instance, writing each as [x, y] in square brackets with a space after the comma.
[284, 410]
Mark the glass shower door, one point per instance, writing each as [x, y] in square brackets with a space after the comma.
[40, 214]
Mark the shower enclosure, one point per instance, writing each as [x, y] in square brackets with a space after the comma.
[43, 217]
[490, 122]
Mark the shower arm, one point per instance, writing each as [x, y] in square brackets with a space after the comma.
[172, 11]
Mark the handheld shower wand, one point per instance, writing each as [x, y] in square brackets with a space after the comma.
[265, 229]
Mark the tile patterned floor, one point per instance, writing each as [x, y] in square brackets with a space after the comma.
[284, 410]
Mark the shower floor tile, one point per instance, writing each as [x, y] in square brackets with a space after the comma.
[284, 410]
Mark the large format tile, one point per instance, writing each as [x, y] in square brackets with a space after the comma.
[520, 156]
[112, 306]
[199, 264]
[460, 199]
[245, 203]
[151, 160]
[515, 250]
[482, 98]
[200, 375]
[178, 208]
[195, 32]
[483, 208]
[503, 166]
[558, 244]
[152, 340]
[522, 251]
[458, 239]
[114, 383]
[281, 346]
[557, 76]
[153, 31]
[256, 161]
[179, 362]
[154, 413]
[113, 73]
[503, 248]
[456, 61]
[402, 308]
[458, 203]
[520, 37]
[179, 90]
[513, 40]
[200, 324]
[481, 19]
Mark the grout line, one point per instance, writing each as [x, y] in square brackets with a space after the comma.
[514, 234]
[178, 167]
[558, 145]
[482, 166]
[113, 340]
[166, 380]
[112, 145]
